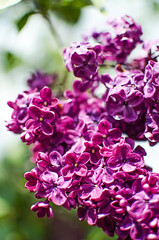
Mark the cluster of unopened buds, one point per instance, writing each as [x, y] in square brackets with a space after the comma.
[82, 159]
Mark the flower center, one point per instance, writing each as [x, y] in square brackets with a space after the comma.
[125, 103]
[41, 119]
[124, 161]
[104, 136]
[76, 164]
[45, 103]
[93, 151]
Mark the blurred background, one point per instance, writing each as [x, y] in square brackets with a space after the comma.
[33, 34]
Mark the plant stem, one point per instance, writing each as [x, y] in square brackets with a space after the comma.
[54, 31]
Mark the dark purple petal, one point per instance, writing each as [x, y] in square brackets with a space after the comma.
[115, 134]
[47, 128]
[77, 60]
[135, 99]
[85, 191]
[71, 158]
[48, 116]
[114, 163]
[81, 213]
[34, 112]
[84, 158]
[103, 127]
[33, 124]
[42, 209]
[46, 94]
[97, 138]
[130, 114]
[138, 232]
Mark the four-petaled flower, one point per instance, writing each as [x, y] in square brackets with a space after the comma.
[124, 158]
[40, 119]
[75, 165]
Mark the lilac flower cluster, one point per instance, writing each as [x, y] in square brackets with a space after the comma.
[81, 158]
[118, 43]
[132, 99]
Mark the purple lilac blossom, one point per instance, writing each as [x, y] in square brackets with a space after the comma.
[81, 158]
[39, 80]
[118, 45]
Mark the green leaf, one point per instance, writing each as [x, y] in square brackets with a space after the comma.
[76, 3]
[20, 23]
[155, 6]
[69, 14]
[68, 10]
[10, 60]
[7, 3]
[5, 209]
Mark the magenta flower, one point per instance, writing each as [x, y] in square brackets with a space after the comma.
[105, 134]
[45, 99]
[84, 65]
[93, 149]
[122, 106]
[49, 188]
[32, 178]
[117, 46]
[75, 165]
[42, 209]
[38, 80]
[76, 47]
[40, 119]
[20, 111]
[124, 158]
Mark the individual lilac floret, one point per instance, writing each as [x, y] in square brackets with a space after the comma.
[49, 188]
[45, 99]
[125, 159]
[105, 134]
[39, 80]
[32, 178]
[121, 105]
[20, 111]
[40, 119]
[81, 59]
[75, 165]
[42, 209]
